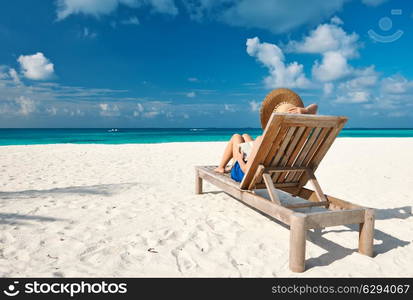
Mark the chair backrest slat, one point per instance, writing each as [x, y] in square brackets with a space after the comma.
[320, 138]
[296, 151]
[280, 151]
[303, 153]
[275, 146]
[292, 141]
[284, 161]
[322, 150]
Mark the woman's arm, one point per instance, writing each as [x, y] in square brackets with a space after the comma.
[240, 160]
[309, 110]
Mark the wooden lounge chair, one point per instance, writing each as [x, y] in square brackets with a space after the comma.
[290, 151]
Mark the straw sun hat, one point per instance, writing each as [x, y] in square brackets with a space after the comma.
[280, 101]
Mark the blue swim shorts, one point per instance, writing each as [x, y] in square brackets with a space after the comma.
[236, 172]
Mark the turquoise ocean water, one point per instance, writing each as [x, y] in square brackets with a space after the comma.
[138, 136]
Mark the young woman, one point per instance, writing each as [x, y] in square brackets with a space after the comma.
[240, 147]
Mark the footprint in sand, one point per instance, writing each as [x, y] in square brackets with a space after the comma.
[201, 239]
[58, 274]
[183, 261]
[168, 236]
[7, 238]
[88, 250]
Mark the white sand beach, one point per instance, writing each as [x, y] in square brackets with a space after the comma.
[130, 211]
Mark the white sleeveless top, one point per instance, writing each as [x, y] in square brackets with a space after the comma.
[246, 149]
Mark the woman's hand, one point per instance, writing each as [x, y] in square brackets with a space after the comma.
[240, 159]
[311, 110]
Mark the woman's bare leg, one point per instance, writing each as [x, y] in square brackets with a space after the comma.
[247, 138]
[233, 143]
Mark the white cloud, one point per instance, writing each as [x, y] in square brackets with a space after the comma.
[88, 7]
[328, 88]
[109, 110]
[87, 33]
[377, 96]
[27, 105]
[140, 107]
[98, 8]
[254, 105]
[104, 106]
[328, 38]
[18, 98]
[79, 112]
[36, 66]
[335, 46]
[359, 88]
[333, 66]
[52, 102]
[229, 108]
[191, 95]
[151, 114]
[19, 106]
[131, 21]
[336, 20]
[52, 111]
[278, 16]
[396, 84]
[281, 74]
[139, 110]
[354, 97]
[69, 111]
[164, 6]
[362, 78]
[13, 74]
[388, 102]
[373, 2]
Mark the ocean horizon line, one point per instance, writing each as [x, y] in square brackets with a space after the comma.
[108, 135]
[169, 128]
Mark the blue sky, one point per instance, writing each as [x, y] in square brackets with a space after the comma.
[202, 63]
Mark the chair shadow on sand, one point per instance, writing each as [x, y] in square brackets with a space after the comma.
[100, 189]
[18, 219]
[336, 251]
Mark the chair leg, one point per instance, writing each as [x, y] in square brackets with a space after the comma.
[366, 233]
[198, 183]
[298, 236]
